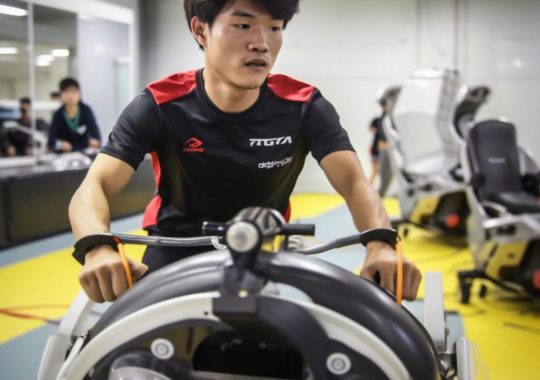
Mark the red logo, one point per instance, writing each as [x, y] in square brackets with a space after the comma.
[193, 145]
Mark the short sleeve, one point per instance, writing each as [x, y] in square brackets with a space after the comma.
[323, 131]
[136, 132]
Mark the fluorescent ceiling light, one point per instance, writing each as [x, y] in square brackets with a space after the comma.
[60, 53]
[12, 11]
[44, 60]
[8, 50]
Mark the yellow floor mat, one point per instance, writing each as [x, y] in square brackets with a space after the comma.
[312, 205]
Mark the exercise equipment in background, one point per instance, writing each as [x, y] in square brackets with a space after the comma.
[504, 225]
[424, 133]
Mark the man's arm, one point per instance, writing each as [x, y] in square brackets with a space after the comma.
[346, 175]
[102, 276]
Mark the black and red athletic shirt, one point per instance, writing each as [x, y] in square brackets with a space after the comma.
[209, 164]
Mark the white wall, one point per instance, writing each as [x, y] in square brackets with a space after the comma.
[166, 44]
[350, 48]
[101, 43]
[503, 51]
[436, 37]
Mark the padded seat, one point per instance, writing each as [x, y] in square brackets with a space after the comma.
[517, 202]
[494, 157]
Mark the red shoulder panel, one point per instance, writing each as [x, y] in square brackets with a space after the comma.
[291, 89]
[173, 87]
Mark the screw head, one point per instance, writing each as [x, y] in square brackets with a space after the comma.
[162, 349]
[338, 363]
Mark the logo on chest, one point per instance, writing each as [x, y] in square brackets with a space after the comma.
[271, 142]
[193, 145]
[81, 129]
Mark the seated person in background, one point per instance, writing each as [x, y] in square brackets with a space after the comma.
[73, 126]
[25, 106]
[19, 143]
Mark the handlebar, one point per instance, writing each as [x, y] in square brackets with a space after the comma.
[215, 241]
[333, 244]
[298, 229]
[214, 228]
[163, 241]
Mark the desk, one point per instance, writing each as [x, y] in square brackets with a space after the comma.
[34, 200]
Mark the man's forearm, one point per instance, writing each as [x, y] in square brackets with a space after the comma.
[366, 207]
[89, 208]
[89, 211]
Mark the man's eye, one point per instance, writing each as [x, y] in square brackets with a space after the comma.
[242, 26]
[276, 28]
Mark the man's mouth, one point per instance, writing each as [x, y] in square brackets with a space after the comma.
[256, 63]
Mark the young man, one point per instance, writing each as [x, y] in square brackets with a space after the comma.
[375, 127]
[385, 170]
[73, 126]
[221, 139]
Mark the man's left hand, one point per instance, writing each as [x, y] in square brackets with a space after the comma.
[382, 259]
[94, 143]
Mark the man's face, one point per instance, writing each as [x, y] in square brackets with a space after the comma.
[242, 44]
[25, 111]
[70, 96]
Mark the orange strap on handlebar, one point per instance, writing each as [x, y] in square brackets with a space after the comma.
[125, 262]
[399, 273]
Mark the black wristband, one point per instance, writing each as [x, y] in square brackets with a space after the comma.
[386, 235]
[89, 242]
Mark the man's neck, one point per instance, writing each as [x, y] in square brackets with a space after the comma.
[227, 97]
[72, 110]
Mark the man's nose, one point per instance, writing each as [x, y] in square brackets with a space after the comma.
[259, 40]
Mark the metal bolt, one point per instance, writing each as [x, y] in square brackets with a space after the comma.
[162, 348]
[338, 363]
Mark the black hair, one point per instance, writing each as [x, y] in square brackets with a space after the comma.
[25, 100]
[207, 10]
[67, 83]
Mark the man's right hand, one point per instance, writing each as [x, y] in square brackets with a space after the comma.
[103, 277]
[65, 146]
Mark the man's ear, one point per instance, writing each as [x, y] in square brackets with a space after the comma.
[198, 29]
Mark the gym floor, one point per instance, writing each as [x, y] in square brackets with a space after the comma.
[38, 281]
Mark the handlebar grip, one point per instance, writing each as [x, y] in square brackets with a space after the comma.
[298, 229]
[213, 228]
